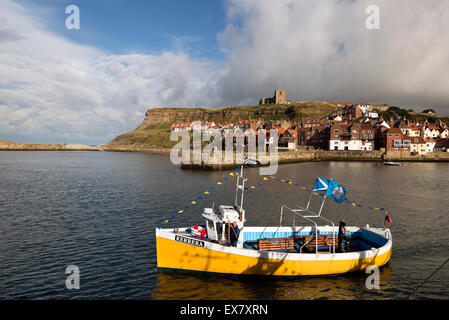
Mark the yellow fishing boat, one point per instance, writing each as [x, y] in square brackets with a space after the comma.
[309, 249]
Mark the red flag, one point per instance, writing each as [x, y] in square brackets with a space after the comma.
[388, 219]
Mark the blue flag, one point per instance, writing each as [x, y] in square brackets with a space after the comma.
[336, 191]
[321, 184]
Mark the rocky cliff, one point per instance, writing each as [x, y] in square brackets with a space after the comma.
[154, 131]
[229, 114]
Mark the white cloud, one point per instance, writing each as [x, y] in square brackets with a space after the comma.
[54, 90]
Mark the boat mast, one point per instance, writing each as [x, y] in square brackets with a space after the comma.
[240, 185]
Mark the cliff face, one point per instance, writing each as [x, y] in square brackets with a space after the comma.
[154, 131]
[230, 114]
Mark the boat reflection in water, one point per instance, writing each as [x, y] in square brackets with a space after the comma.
[194, 285]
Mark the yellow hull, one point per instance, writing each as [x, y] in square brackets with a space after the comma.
[177, 255]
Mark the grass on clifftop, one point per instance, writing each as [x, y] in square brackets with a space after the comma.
[149, 137]
[288, 111]
[158, 135]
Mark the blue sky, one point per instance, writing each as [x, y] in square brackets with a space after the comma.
[120, 26]
[89, 85]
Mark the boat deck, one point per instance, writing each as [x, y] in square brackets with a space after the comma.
[300, 240]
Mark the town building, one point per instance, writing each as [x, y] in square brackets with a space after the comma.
[442, 145]
[397, 141]
[341, 104]
[352, 112]
[430, 144]
[352, 137]
[429, 112]
[288, 140]
[181, 126]
[418, 146]
[317, 137]
[310, 123]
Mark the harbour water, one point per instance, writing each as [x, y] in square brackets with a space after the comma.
[99, 210]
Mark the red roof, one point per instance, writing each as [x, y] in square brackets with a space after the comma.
[418, 140]
[281, 131]
[394, 130]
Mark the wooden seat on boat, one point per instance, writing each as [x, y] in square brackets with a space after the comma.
[325, 241]
[276, 244]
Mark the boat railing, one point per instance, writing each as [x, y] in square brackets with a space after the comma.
[309, 218]
[316, 233]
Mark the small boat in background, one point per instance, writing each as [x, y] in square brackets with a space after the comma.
[252, 163]
[392, 164]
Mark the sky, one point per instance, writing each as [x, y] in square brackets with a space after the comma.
[89, 85]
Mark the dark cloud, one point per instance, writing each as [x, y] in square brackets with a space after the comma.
[322, 49]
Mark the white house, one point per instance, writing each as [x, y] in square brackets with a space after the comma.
[385, 124]
[430, 144]
[414, 132]
[197, 125]
[351, 145]
[351, 138]
[444, 133]
[431, 133]
[371, 114]
[181, 126]
[418, 145]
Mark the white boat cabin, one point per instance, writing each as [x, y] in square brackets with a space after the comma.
[218, 222]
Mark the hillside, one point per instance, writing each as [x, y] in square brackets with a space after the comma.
[396, 114]
[154, 131]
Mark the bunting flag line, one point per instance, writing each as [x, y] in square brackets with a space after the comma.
[323, 185]
[194, 202]
[331, 188]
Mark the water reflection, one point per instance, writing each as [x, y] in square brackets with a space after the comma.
[99, 211]
[192, 285]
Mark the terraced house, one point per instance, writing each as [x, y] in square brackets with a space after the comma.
[352, 137]
[398, 141]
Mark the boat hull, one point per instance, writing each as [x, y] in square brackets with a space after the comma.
[175, 251]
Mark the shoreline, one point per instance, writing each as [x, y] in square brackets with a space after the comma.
[73, 147]
[283, 157]
[318, 156]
